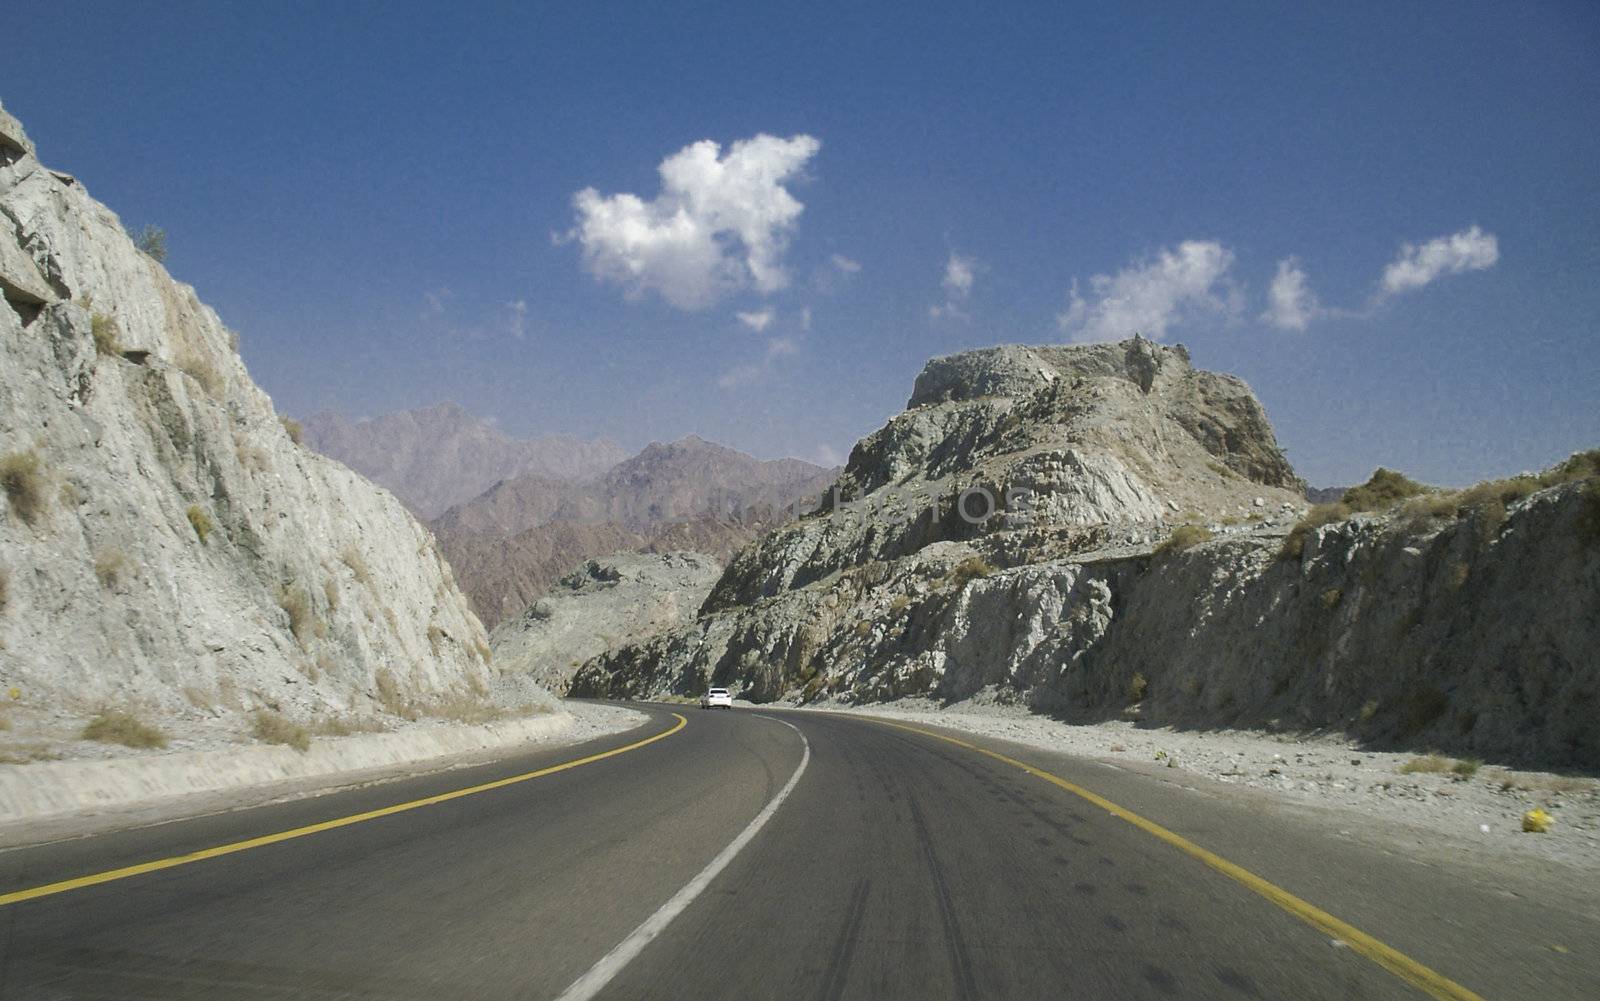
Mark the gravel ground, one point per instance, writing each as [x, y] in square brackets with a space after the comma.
[1369, 794]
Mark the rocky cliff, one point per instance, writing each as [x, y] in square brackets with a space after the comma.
[163, 541]
[606, 603]
[1104, 531]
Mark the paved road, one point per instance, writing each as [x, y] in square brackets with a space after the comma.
[900, 866]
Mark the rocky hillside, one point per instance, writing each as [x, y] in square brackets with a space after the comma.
[512, 542]
[1148, 554]
[436, 457]
[605, 603]
[163, 541]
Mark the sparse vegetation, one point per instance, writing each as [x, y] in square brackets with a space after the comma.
[1466, 767]
[351, 557]
[294, 602]
[107, 335]
[330, 591]
[1385, 489]
[292, 428]
[151, 241]
[1138, 687]
[24, 483]
[970, 569]
[346, 726]
[1185, 536]
[197, 365]
[1457, 574]
[436, 636]
[1331, 598]
[200, 521]
[108, 564]
[1294, 544]
[5, 588]
[275, 728]
[1369, 709]
[899, 603]
[1428, 764]
[863, 629]
[117, 727]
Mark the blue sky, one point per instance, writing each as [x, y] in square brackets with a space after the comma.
[368, 192]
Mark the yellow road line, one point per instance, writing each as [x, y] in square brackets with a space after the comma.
[49, 889]
[1398, 963]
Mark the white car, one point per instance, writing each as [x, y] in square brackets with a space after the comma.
[716, 697]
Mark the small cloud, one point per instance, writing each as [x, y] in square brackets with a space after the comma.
[845, 264]
[827, 455]
[757, 321]
[720, 223]
[435, 302]
[960, 274]
[1291, 305]
[1469, 250]
[516, 316]
[1148, 297]
[752, 373]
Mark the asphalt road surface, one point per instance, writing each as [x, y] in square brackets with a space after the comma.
[895, 864]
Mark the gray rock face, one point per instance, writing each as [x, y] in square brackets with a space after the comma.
[163, 543]
[605, 603]
[1467, 632]
[436, 457]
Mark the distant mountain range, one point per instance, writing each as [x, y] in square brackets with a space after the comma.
[436, 457]
[512, 516]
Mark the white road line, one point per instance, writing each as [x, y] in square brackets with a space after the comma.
[612, 963]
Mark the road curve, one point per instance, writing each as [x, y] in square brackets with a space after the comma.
[898, 866]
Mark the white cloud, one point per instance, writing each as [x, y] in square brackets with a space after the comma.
[845, 264]
[1291, 305]
[960, 273]
[517, 318]
[750, 374]
[1469, 250]
[756, 321]
[827, 455]
[1149, 296]
[720, 223]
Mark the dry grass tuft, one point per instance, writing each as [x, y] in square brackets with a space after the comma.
[116, 727]
[1138, 687]
[1184, 537]
[296, 433]
[330, 591]
[24, 483]
[1331, 598]
[1294, 544]
[107, 335]
[274, 728]
[970, 569]
[108, 564]
[293, 601]
[197, 365]
[351, 557]
[200, 521]
[436, 636]
[1428, 764]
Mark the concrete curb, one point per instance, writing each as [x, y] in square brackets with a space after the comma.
[48, 789]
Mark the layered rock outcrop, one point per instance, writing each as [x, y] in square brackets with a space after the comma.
[163, 541]
[1470, 629]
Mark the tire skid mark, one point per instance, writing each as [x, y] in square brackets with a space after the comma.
[955, 944]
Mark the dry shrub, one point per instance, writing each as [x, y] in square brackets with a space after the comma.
[436, 636]
[330, 591]
[900, 603]
[1331, 598]
[1385, 489]
[970, 569]
[1138, 687]
[107, 335]
[108, 564]
[1294, 544]
[23, 480]
[197, 365]
[863, 628]
[273, 728]
[352, 558]
[292, 428]
[200, 521]
[117, 727]
[293, 601]
[389, 697]
[1184, 537]
[1428, 764]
